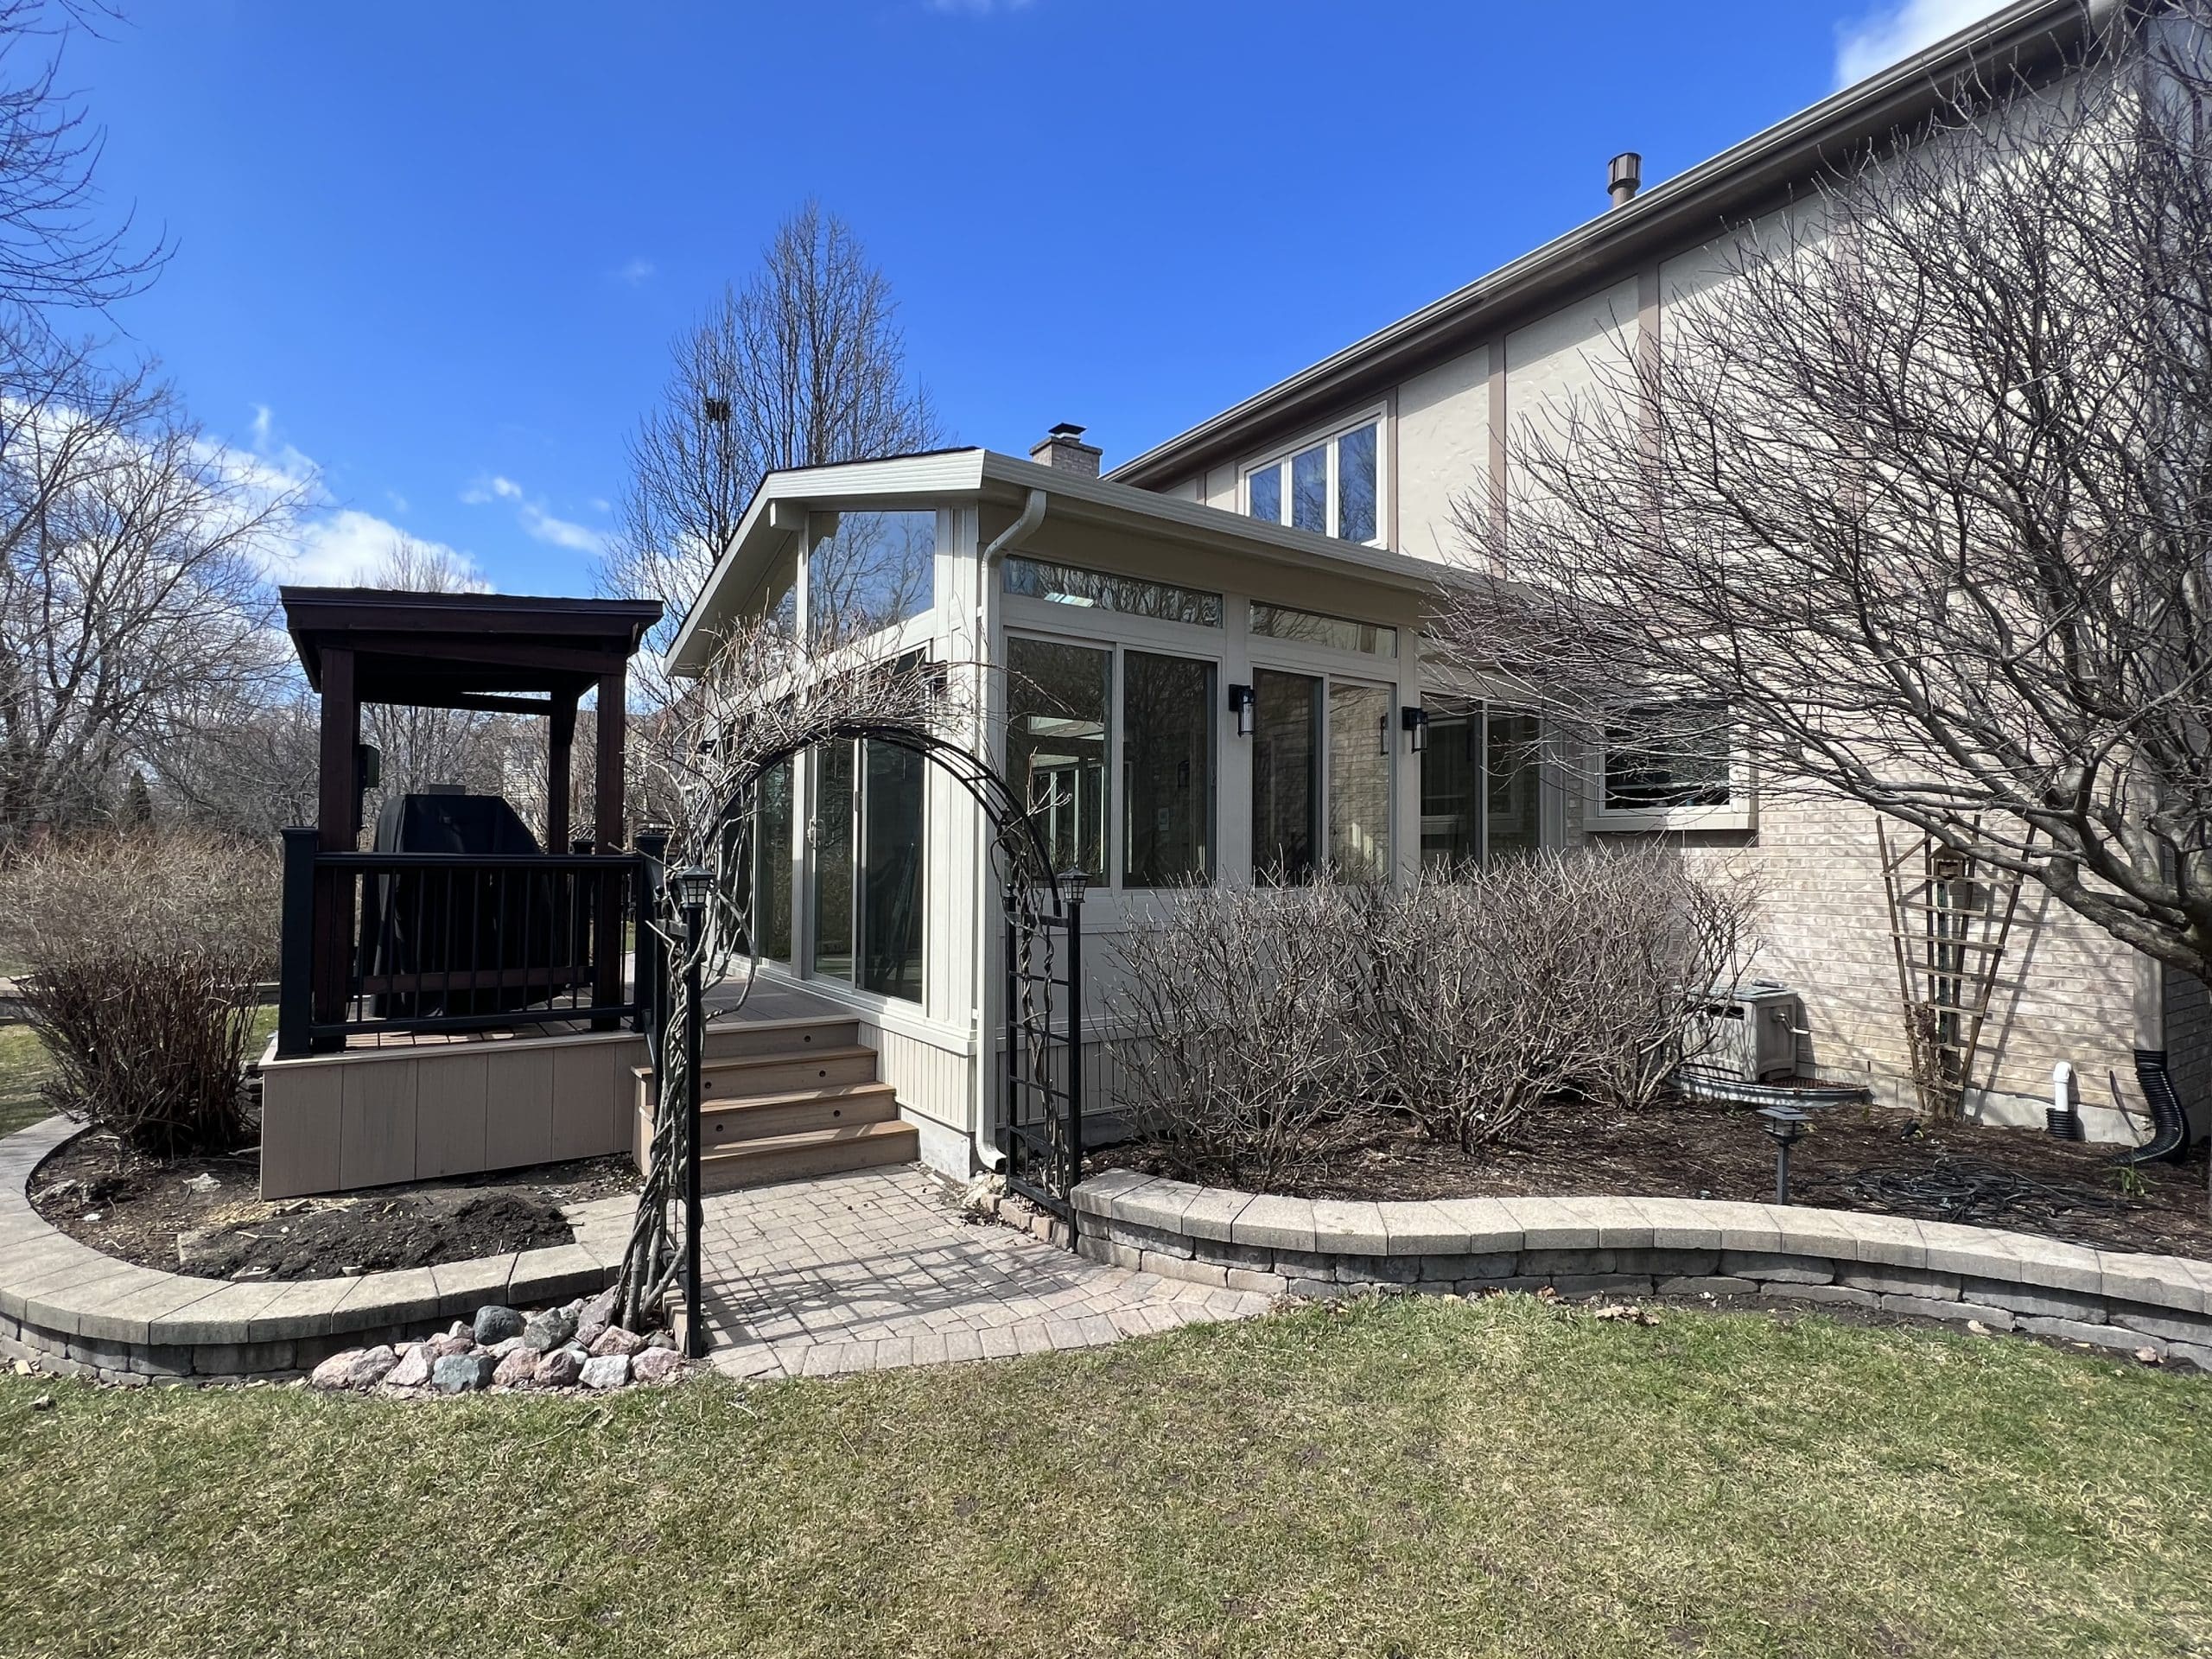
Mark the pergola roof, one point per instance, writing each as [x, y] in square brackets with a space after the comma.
[466, 650]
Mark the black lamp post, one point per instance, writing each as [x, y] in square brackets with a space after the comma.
[1788, 1125]
[693, 887]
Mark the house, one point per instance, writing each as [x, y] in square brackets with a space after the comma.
[1217, 668]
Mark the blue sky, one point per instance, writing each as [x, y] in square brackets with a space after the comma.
[432, 256]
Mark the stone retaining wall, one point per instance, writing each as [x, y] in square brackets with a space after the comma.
[1629, 1246]
[67, 1308]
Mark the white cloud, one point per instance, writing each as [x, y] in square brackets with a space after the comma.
[329, 544]
[1894, 32]
[635, 272]
[530, 513]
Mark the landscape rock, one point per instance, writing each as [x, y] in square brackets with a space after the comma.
[501, 1349]
[373, 1367]
[332, 1373]
[452, 1344]
[606, 1371]
[518, 1366]
[562, 1368]
[596, 1315]
[615, 1340]
[459, 1373]
[413, 1371]
[496, 1324]
[656, 1365]
[549, 1330]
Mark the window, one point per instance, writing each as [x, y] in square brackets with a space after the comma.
[1479, 798]
[1658, 760]
[877, 570]
[1064, 584]
[1512, 773]
[772, 863]
[1451, 811]
[1359, 781]
[1336, 633]
[1285, 773]
[1058, 703]
[867, 840]
[1168, 781]
[1333, 487]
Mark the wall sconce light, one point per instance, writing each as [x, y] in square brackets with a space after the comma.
[1415, 720]
[1244, 706]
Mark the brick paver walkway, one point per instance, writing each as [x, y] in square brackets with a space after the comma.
[878, 1268]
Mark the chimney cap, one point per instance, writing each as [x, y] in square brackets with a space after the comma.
[1067, 430]
[1624, 177]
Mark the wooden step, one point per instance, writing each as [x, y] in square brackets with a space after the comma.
[819, 1152]
[739, 1039]
[745, 1077]
[759, 1117]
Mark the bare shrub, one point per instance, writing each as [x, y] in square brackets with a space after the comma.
[1242, 1049]
[1265, 1027]
[1502, 988]
[144, 952]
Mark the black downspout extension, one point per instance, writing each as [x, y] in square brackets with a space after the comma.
[2168, 1124]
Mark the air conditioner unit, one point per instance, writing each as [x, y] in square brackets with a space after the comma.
[1748, 1032]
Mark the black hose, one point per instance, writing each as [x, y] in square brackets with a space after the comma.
[2168, 1124]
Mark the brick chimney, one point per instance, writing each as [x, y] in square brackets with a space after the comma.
[1064, 449]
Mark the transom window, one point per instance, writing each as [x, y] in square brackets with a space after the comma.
[1312, 628]
[1066, 584]
[1330, 487]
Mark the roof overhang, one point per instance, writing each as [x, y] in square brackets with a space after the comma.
[778, 512]
[1685, 212]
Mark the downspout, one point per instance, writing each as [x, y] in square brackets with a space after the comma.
[987, 1155]
[2169, 1123]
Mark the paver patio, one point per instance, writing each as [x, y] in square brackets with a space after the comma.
[878, 1268]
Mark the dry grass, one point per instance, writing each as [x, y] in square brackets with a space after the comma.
[1408, 1477]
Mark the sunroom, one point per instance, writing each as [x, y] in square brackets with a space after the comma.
[1176, 694]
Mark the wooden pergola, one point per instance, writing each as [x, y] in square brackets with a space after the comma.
[502, 653]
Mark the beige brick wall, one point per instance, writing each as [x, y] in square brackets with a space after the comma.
[2064, 991]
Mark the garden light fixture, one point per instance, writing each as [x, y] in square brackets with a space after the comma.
[1245, 705]
[1788, 1125]
[1072, 884]
[693, 886]
[1415, 720]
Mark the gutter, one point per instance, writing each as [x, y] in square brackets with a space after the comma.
[987, 1153]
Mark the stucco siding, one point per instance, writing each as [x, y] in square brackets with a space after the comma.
[1442, 451]
[1552, 362]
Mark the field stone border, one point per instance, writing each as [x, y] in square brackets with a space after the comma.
[1626, 1246]
[66, 1307]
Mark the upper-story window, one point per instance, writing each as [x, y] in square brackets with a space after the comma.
[1330, 485]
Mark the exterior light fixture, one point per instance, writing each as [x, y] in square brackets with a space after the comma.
[1072, 884]
[1788, 1125]
[1415, 720]
[1245, 707]
[693, 886]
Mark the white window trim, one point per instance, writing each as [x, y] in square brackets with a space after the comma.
[1376, 416]
[1741, 811]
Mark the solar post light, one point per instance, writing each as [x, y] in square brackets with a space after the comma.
[1788, 1125]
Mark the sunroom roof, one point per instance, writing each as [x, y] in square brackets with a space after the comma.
[779, 509]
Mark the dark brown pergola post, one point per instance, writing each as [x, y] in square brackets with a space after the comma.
[608, 727]
[336, 830]
[560, 746]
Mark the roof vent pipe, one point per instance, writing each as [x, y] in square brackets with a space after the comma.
[1624, 177]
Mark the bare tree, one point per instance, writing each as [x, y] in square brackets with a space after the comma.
[54, 252]
[1912, 505]
[802, 364]
[130, 587]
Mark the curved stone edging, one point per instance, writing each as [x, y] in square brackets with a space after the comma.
[1583, 1246]
[71, 1308]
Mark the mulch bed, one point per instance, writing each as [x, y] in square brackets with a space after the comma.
[1866, 1158]
[203, 1216]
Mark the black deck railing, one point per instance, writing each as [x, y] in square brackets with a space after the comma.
[435, 943]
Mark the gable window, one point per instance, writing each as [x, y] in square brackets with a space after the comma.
[1331, 485]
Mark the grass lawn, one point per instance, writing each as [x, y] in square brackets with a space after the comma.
[1406, 1477]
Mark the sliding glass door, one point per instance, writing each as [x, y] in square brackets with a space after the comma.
[866, 836]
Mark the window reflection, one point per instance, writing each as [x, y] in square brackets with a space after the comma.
[1359, 781]
[1285, 773]
[1167, 770]
[1058, 698]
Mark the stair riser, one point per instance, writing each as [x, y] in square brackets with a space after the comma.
[785, 1077]
[743, 1042]
[735, 1125]
[737, 1169]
